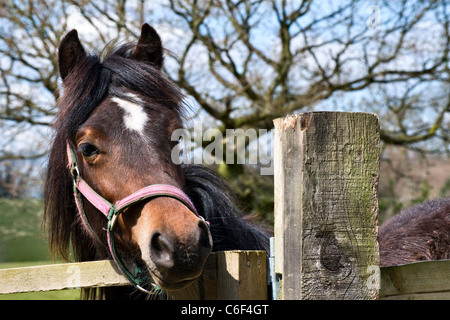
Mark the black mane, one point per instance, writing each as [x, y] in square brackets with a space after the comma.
[216, 202]
[93, 79]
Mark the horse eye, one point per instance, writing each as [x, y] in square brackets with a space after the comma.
[88, 150]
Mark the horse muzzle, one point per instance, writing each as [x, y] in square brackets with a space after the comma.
[175, 260]
[174, 242]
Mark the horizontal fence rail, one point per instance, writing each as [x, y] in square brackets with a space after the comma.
[235, 275]
[416, 281]
[62, 276]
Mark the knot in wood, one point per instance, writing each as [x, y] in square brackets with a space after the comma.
[331, 255]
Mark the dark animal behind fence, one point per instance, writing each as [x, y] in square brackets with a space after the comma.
[419, 233]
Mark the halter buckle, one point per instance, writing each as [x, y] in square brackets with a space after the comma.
[74, 172]
[112, 216]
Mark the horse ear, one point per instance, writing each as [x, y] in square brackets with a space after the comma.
[149, 47]
[70, 53]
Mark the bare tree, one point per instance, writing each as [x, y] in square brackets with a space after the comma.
[312, 50]
[244, 63]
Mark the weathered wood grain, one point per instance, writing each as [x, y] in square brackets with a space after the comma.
[326, 176]
[416, 281]
[60, 277]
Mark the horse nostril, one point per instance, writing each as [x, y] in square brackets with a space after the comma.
[180, 256]
[161, 251]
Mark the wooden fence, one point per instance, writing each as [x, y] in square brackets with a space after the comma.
[236, 275]
[326, 175]
[233, 275]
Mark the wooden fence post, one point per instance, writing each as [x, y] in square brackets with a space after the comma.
[326, 177]
[229, 275]
[242, 275]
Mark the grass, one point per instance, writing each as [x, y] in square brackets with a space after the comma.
[48, 295]
[21, 235]
[22, 243]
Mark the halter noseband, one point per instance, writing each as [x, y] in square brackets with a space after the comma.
[112, 211]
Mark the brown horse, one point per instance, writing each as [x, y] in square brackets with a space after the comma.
[112, 189]
[421, 232]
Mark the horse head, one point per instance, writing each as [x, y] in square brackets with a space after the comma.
[116, 116]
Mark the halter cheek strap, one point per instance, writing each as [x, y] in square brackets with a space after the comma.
[112, 211]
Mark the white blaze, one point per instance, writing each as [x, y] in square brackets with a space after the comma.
[135, 116]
